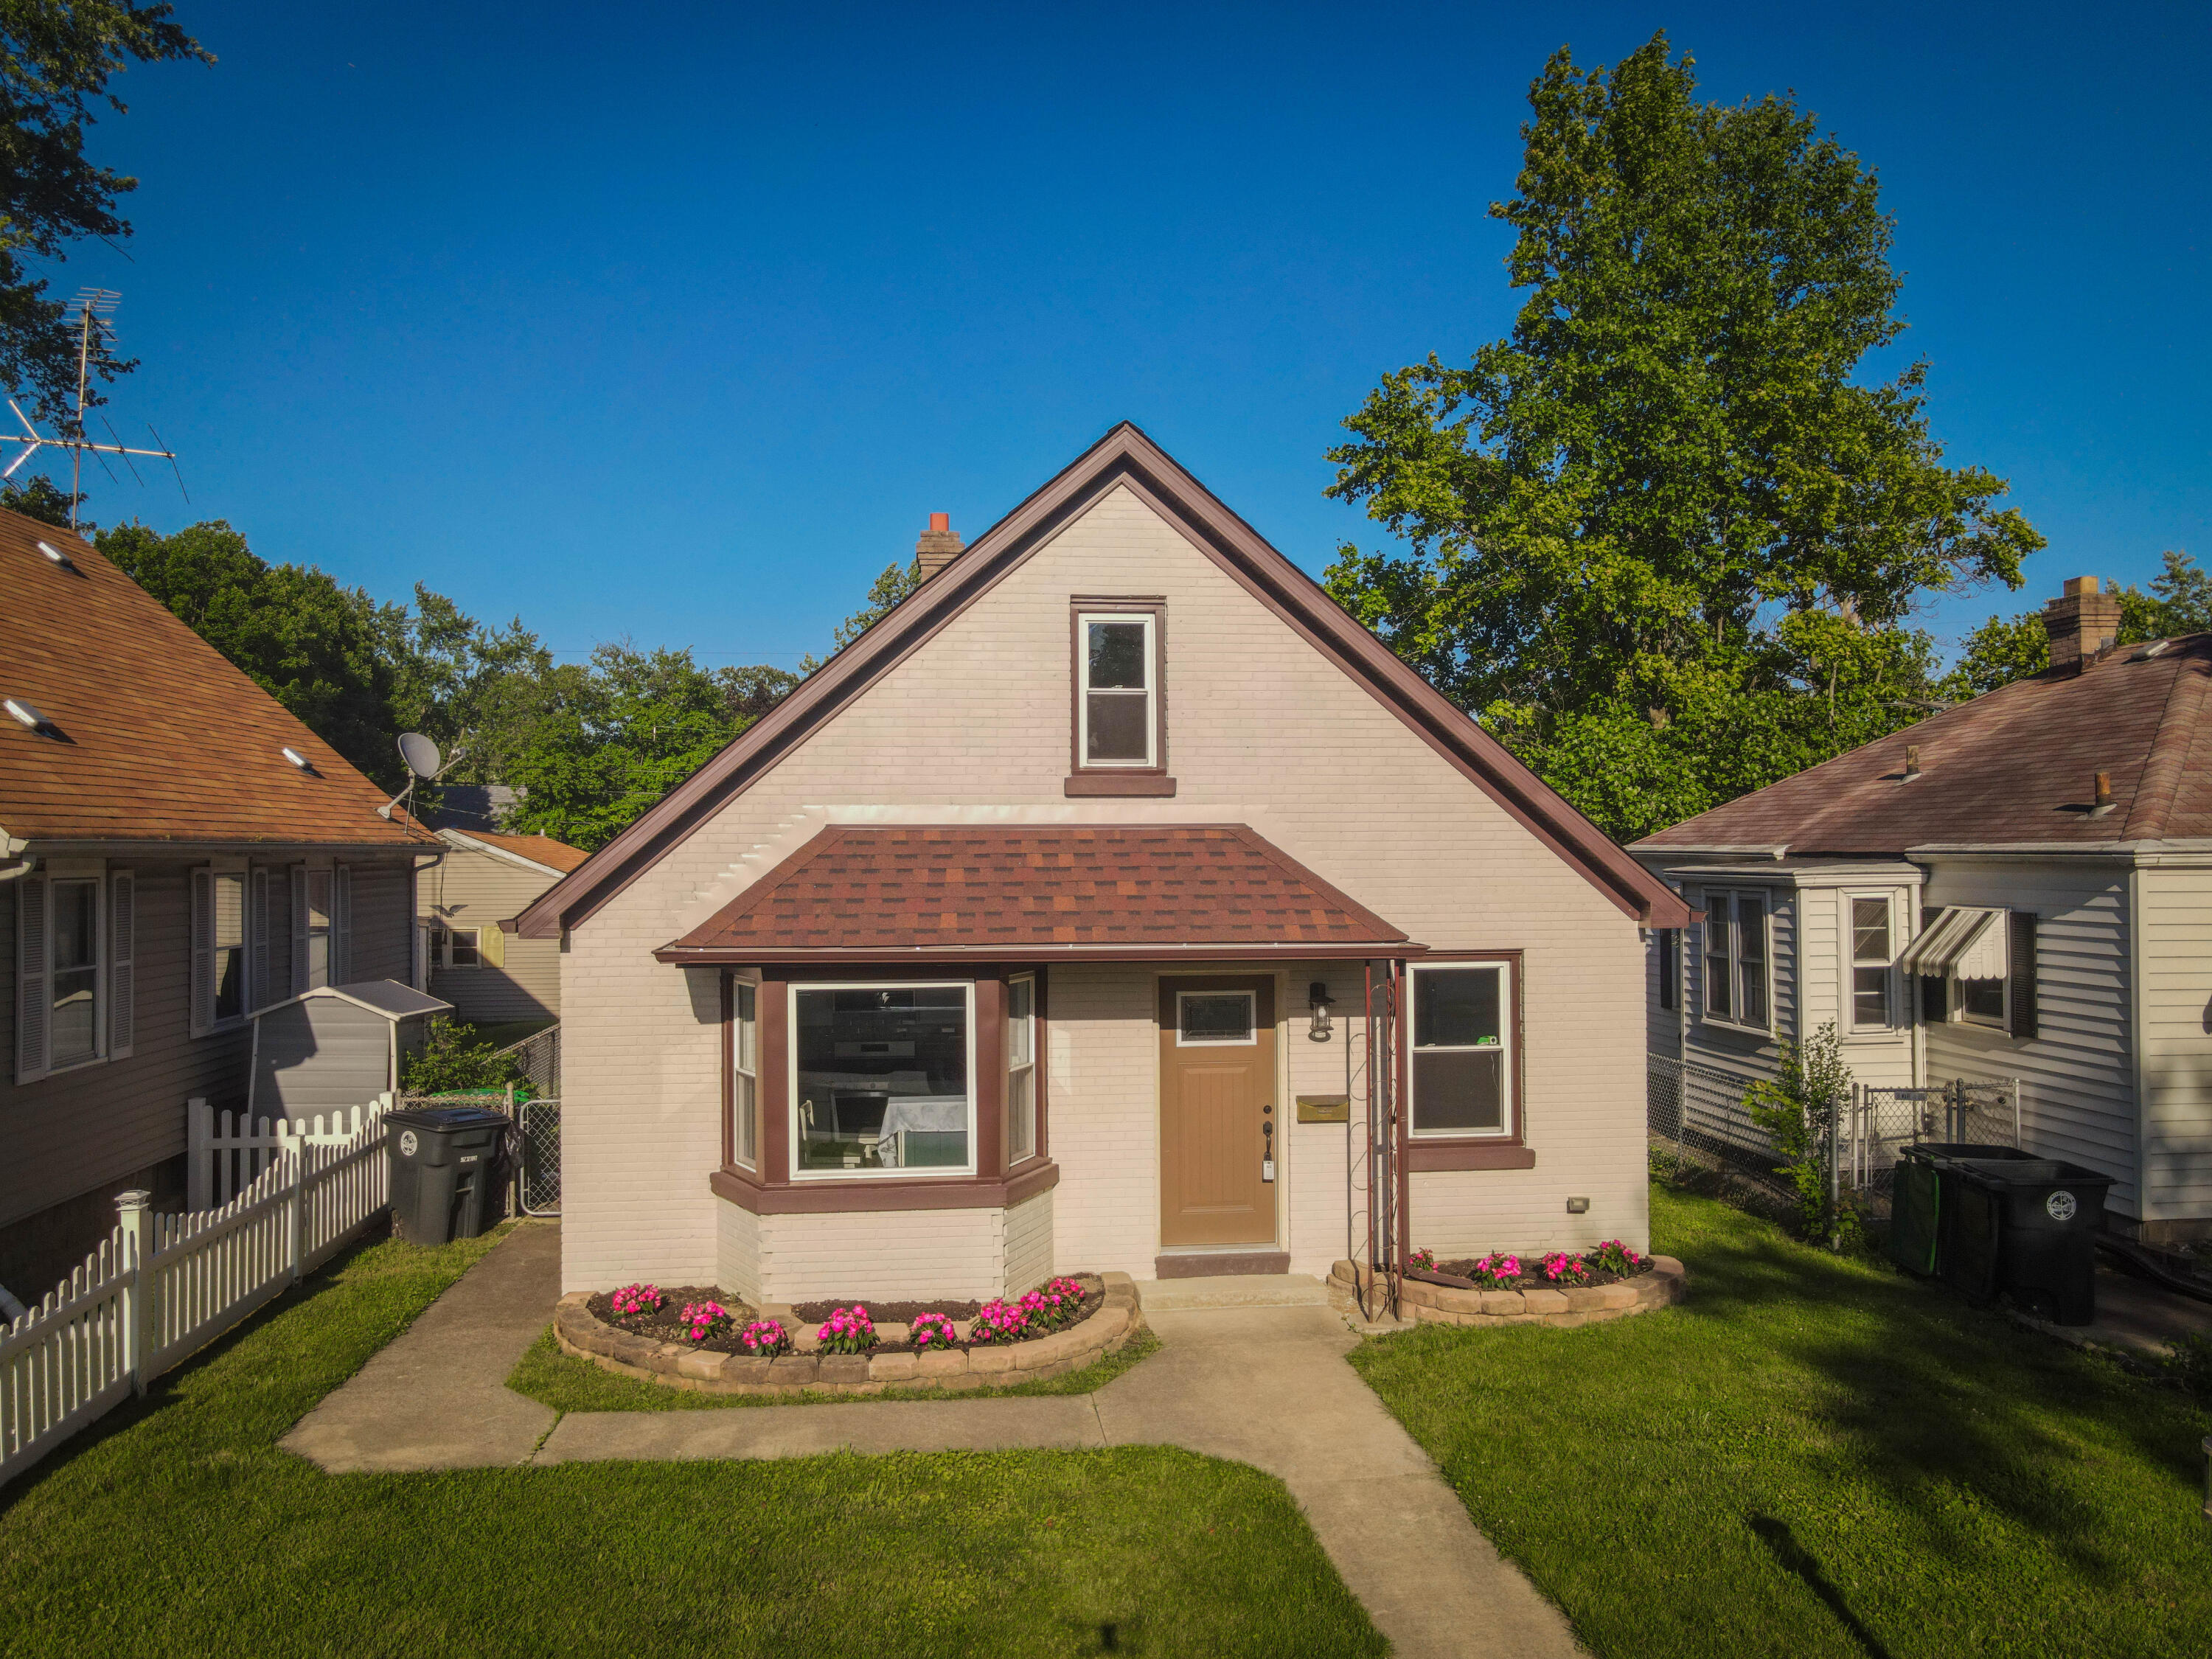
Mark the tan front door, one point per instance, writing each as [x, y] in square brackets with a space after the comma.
[1216, 1107]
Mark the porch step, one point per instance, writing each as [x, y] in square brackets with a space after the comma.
[1232, 1290]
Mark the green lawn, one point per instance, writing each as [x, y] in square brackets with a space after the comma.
[177, 1528]
[569, 1384]
[1818, 1456]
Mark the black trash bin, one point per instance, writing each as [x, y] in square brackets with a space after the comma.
[449, 1171]
[2045, 1215]
[1968, 1238]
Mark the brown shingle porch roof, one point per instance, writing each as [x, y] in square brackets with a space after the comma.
[1057, 891]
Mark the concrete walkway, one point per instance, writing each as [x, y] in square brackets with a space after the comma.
[1266, 1385]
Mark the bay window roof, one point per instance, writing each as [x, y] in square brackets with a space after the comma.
[1094, 892]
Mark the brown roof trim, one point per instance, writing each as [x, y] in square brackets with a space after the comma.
[708, 956]
[1125, 456]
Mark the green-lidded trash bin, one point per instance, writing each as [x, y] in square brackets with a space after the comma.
[448, 1170]
[2046, 1214]
[1915, 1212]
[1965, 1232]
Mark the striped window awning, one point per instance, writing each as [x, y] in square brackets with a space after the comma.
[1962, 942]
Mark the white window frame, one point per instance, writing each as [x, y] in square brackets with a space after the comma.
[744, 1069]
[1016, 1066]
[1734, 1020]
[799, 988]
[1850, 900]
[476, 943]
[56, 872]
[1508, 1091]
[1251, 1023]
[203, 1022]
[1150, 621]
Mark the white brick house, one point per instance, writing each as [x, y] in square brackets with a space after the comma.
[995, 950]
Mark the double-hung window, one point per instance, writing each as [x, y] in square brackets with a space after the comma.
[1462, 1049]
[1021, 1070]
[220, 959]
[1117, 708]
[75, 928]
[744, 1067]
[461, 948]
[1736, 959]
[882, 1079]
[1873, 943]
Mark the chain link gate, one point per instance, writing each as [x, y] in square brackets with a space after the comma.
[537, 1173]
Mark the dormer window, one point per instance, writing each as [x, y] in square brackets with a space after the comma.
[1120, 714]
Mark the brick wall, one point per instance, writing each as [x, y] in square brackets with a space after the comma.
[1262, 730]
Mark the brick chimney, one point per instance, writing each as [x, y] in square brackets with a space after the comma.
[939, 546]
[2082, 624]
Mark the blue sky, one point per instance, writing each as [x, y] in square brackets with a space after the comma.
[678, 328]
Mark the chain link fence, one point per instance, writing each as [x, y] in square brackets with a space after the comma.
[538, 1056]
[537, 1165]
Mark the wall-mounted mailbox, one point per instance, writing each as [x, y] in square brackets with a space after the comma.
[1324, 1109]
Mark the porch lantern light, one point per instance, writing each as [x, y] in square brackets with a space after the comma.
[1318, 998]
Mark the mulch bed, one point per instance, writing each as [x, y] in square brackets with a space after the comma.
[1454, 1273]
[668, 1325]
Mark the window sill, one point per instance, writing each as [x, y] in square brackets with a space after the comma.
[831, 1196]
[1080, 784]
[1764, 1033]
[1468, 1155]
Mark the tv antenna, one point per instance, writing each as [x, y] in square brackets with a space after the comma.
[95, 334]
[422, 757]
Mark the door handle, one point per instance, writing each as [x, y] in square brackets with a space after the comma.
[1267, 1145]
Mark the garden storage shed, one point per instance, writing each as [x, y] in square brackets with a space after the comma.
[336, 1045]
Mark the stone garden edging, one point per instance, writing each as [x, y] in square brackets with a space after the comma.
[1447, 1304]
[582, 1333]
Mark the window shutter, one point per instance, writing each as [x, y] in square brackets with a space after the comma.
[299, 928]
[122, 967]
[491, 946]
[2021, 959]
[342, 925]
[202, 951]
[1935, 1002]
[33, 1000]
[257, 967]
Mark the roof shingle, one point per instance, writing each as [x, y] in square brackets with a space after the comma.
[2016, 765]
[1058, 887]
[161, 739]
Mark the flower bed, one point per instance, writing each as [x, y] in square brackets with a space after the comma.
[1529, 1296]
[694, 1336]
[1611, 1263]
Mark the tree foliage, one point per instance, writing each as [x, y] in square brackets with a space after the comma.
[1664, 538]
[1795, 1107]
[2007, 648]
[57, 59]
[884, 595]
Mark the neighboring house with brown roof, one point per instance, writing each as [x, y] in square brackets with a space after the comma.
[483, 878]
[176, 850]
[2017, 887]
[998, 947]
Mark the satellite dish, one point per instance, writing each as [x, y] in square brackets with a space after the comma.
[420, 754]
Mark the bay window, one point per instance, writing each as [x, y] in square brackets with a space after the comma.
[882, 1079]
[1462, 1073]
[1021, 1069]
[744, 1065]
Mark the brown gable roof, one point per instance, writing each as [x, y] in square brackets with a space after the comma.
[1058, 890]
[1125, 457]
[538, 850]
[2017, 765]
[161, 739]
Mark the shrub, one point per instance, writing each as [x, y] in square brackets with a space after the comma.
[703, 1320]
[1000, 1321]
[1054, 1306]
[1562, 1268]
[451, 1061]
[1796, 1108]
[1496, 1270]
[633, 1300]
[847, 1330]
[935, 1330]
[765, 1337]
[1615, 1257]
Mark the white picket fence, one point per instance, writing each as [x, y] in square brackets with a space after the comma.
[228, 1154]
[162, 1286]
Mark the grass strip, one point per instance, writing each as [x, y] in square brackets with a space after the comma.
[176, 1526]
[1817, 1456]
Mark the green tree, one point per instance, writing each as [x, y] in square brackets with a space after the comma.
[612, 737]
[1663, 538]
[884, 595]
[1795, 1107]
[41, 498]
[56, 61]
[2007, 648]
